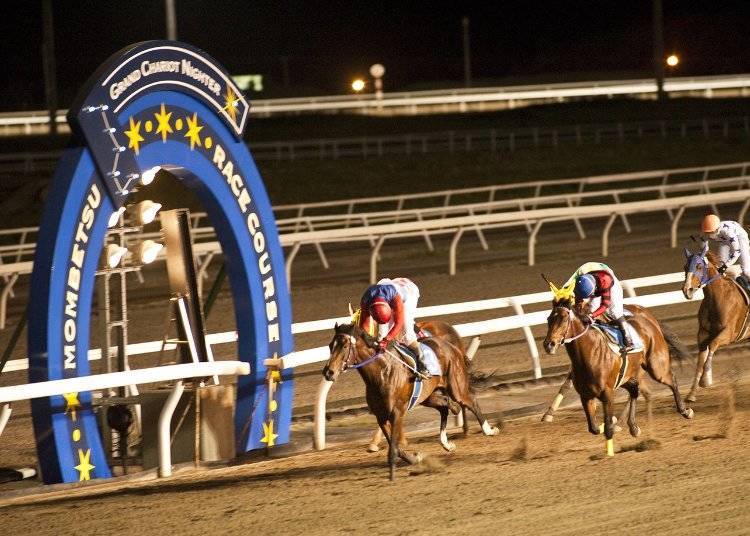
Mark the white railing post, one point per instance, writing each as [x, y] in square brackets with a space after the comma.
[529, 340]
[319, 417]
[165, 433]
[4, 416]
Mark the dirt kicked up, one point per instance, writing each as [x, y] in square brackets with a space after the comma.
[680, 477]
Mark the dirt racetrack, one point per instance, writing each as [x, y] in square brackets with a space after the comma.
[534, 478]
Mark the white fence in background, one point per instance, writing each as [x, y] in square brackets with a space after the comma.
[454, 226]
[444, 100]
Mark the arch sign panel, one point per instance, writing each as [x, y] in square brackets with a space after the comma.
[153, 104]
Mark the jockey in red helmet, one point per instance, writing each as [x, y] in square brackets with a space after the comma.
[392, 304]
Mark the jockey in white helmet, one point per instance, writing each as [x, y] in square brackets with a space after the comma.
[733, 242]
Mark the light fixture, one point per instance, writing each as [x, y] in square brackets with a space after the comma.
[147, 177]
[114, 254]
[673, 60]
[115, 217]
[144, 212]
[358, 85]
[146, 252]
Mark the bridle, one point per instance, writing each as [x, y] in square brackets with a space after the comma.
[703, 278]
[571, 316]
[352, 353]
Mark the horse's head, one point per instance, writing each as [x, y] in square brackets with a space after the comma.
[558, 325]
[696, 271]
[344, 347]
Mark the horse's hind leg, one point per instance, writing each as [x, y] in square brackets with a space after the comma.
[564, 388]
[460, 391]
[668, 378]
[589, 408]
[632, 388]
[441, 402]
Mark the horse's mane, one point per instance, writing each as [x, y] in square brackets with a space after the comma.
[356, 331]
[713, 258]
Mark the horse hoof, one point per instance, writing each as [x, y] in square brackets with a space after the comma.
[691, 397]
[547, 417]
[617, 428]
[688, 413]
[418, 457]
[705, 381]
[635, 431]
[494, 431]
[373, 447]
[450, 446]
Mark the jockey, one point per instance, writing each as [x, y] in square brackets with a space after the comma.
[733, 242]
[596, 281]
[392, 303]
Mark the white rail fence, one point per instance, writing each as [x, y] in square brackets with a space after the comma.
[462, 99]
[520, 320]
[456, 227]
[97, 382]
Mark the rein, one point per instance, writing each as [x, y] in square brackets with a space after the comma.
[375, 356]
[581, 334]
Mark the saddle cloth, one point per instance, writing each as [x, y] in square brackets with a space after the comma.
[430, 359]
[614, 337]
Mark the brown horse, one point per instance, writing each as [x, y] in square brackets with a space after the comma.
[596, 369]
[723, 314]
[431, 328]
[389, 384]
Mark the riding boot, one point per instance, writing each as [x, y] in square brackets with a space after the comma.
[627, 341]
[419, 359]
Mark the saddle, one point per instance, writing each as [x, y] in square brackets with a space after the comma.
[430, 359]
[615, 339]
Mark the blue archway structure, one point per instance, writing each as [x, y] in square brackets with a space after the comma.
[167, 104]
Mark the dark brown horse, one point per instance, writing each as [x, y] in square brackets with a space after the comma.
[723, 314]
[389, 384]
[443, 330]
[596, 369]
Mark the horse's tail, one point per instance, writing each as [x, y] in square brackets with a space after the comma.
[677, 348]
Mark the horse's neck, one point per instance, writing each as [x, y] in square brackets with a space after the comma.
[372, 372]
[583, 344]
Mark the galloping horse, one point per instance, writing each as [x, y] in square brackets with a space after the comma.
[389, 386]
[430, 328]
[723, 314]
[597, 370]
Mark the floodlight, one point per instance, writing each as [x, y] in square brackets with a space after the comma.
[358, 85]
[115, 217]
[114, 254]
[144, 212]
[147, 251]
[147, 177]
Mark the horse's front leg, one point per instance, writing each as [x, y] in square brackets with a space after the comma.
[632, 388]
[564, 388]
[589, 408]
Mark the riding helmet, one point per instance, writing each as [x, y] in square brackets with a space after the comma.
[585, 286]
[710, 223]
[380, 311]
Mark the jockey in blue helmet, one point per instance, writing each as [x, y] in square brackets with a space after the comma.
[605, 292]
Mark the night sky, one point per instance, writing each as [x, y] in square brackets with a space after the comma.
[327, 43]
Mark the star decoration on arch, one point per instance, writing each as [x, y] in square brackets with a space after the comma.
[134, 135]
[193, 130]
[230, 103]
[162, 123]
[269, 438]
[84, 466]
[71, 403]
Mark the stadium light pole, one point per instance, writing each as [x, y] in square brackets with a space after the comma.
[171, 20]
[48, 60]
[658, 49]
[467, 51]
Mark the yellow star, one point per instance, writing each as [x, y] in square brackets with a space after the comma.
[134, 135]
[71, 403]
[230, 103]
[84, 466]
[193, 130]
[269, 438]
[163, 127]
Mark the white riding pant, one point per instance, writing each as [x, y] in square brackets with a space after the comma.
[616, 309]
[409, 293]
[744, 258]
